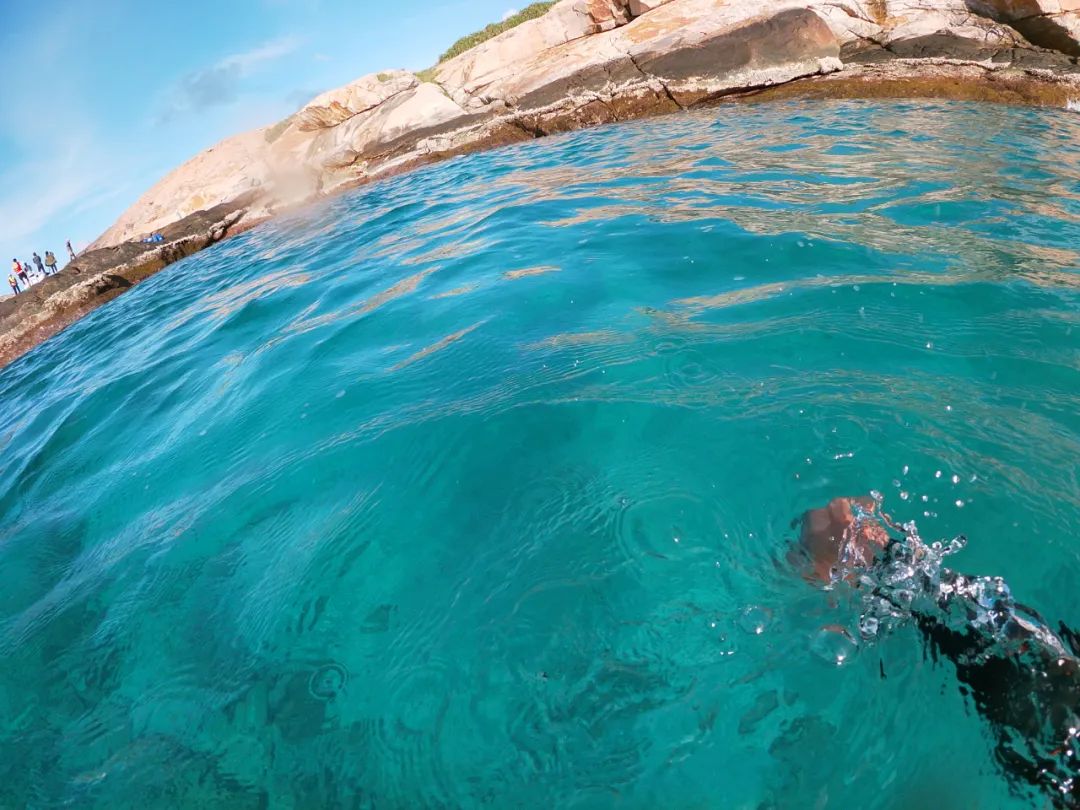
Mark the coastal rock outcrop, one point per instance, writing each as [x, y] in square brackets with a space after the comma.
[366, 93]
[222, 174]
[465, 77]
[593, 61]
[589, 62]
[423, 111]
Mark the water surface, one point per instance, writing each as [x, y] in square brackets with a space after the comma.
[475, 487]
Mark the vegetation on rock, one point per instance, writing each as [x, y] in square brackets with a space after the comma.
[493, 30]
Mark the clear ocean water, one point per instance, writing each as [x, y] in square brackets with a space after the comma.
[474, 487]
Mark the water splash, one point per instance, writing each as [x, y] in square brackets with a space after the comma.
[1022, 676]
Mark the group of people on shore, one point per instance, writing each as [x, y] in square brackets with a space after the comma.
[19, 280]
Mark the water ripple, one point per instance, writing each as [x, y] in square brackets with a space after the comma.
[475, 487]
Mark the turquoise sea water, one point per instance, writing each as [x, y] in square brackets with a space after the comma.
[475, 487]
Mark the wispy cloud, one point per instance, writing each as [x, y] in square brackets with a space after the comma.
[264, 53]
[510, 12]
[220, 83]
[75, 178]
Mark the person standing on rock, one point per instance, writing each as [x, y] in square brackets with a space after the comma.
[50, 262]
[37, 262]
[14, 284]
[71, 252]
[20, 272]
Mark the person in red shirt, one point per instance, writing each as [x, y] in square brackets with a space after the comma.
[20, 272]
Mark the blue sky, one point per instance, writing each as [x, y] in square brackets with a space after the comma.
[100, 98]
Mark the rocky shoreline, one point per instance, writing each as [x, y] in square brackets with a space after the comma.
[584, 63]
[99, 275]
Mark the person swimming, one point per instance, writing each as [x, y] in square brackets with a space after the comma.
[1023, 678]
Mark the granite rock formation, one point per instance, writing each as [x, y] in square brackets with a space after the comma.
[592, 61]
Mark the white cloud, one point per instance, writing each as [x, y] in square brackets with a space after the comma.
[267, 52]
[509, 13]
[77, 176]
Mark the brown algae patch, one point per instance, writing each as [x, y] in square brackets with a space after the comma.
[404, 287]
[598, 338]
[462, 290]
[510, 275]
[438, 345]
[954, 83]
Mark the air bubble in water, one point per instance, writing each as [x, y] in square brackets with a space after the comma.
[726, 644]
[755, 619]
[899, 574]
[834, 645]
[868, 627]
